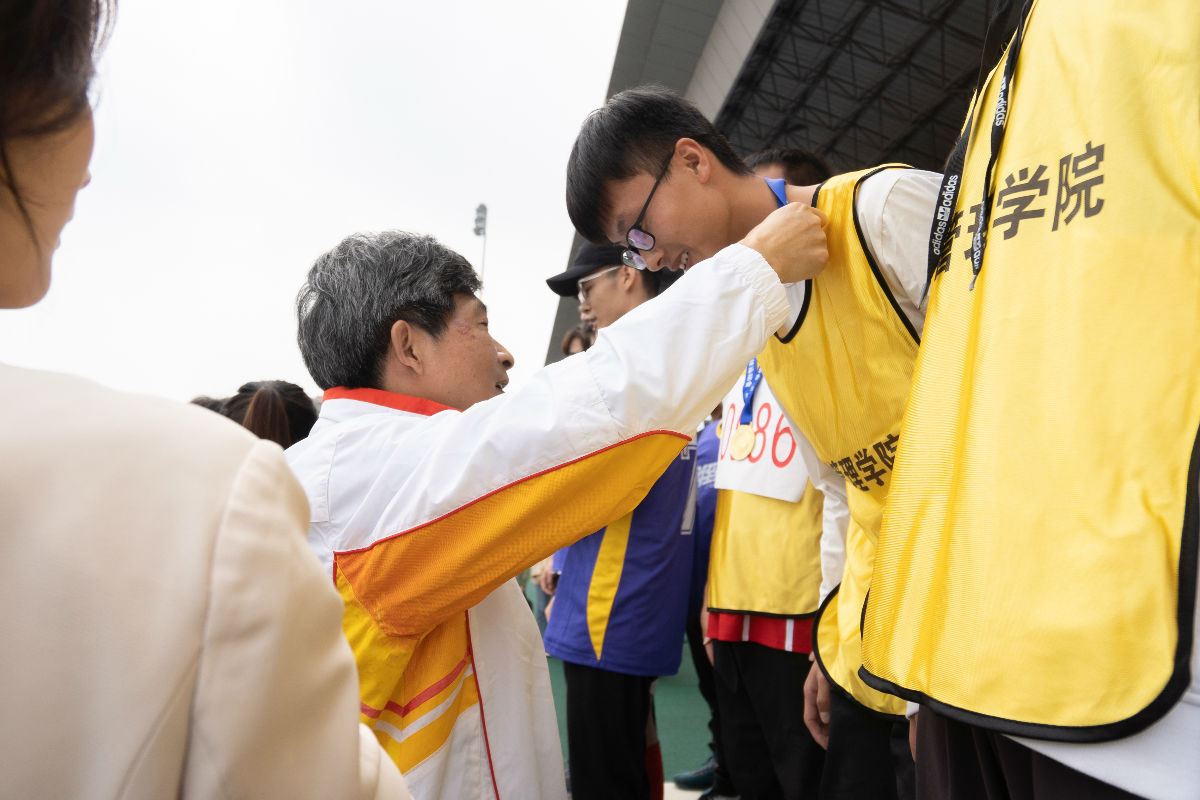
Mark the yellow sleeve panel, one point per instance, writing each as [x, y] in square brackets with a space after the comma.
[409, 631]
[843, 375]
[1036, 571]
[493, 538]
[766, 554]
[412, 689]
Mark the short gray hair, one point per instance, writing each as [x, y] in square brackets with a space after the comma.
[359, 289]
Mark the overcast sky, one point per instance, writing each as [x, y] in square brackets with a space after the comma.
[236, 141]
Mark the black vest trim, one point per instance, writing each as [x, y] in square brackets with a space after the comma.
[862, 242]
[833, 685]
[767, 614]
[1174, 689]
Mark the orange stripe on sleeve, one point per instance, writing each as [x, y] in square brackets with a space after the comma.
[411, 581]
[430, 691]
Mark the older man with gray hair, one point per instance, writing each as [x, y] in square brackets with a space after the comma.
[430, 488]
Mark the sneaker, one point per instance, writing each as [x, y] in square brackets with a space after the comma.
[699, 778]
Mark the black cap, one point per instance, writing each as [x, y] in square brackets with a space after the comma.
[589, 258]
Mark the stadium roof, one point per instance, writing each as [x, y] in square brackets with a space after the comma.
[858, 82]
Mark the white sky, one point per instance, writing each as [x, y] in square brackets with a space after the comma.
[239, 139]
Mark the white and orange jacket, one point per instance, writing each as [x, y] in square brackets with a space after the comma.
[422, 515]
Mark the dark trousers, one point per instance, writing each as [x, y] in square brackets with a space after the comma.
[606, 733]
[868, 756]
[958, 760]
[760, 691]
[722, 781]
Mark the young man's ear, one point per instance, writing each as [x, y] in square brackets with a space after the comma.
[696, 158]
[626, 276]
[407, 346]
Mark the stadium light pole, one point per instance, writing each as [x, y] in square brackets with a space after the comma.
[481, 230]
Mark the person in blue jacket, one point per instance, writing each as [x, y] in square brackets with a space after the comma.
[621, 604]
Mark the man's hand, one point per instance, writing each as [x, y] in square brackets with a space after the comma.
[816, 705]
[792, 240]
[547, 580]
[708, 645]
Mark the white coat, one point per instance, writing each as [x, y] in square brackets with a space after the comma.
[166, 631]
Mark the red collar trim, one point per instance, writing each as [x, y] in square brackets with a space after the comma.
[400, 402]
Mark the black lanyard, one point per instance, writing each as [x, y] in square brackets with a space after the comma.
[941, 234]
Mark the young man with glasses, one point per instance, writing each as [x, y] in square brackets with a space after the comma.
[621, 604]
[649, 172]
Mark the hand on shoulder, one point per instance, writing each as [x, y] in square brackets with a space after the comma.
[792, 240]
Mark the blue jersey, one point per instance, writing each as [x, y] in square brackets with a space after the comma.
[622, 600]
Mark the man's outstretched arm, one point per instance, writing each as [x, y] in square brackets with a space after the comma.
[472, 498]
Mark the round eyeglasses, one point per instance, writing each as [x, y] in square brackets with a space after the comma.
[638, 238]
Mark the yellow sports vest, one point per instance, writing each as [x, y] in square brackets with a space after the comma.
[842, 374]
[1036, 571]
[766, 554]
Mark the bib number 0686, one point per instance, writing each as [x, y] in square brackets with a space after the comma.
[780, 443]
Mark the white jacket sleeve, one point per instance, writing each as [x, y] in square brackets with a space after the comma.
[835, 514]
[835, 518]
[895, 208]
[444, 510]
[660, 368]
[275, 708]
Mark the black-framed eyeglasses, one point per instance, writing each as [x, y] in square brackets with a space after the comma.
[637, 238]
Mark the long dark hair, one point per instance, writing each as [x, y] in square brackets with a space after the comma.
[275, 410]
[48, 51]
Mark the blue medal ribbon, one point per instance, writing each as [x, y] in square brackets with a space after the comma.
[753, 376]
[777, 186]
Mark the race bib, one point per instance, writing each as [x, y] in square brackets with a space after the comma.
[775, 466]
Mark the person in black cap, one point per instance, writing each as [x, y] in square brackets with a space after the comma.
[590, 258]
[606, 288]
[622, 597]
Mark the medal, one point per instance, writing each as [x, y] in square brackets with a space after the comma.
[743, 442]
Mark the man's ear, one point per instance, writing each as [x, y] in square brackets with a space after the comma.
[406, 346]
[626, 276]
[697, 159]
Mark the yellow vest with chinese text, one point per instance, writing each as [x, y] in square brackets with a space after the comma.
[842, 373]
[1036, 571]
